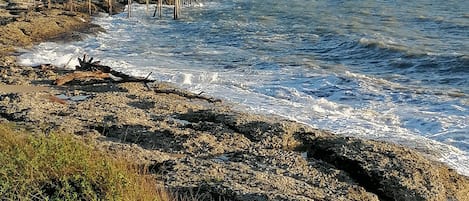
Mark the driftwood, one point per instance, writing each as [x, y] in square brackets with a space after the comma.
[80, 75]
[185, 94]
[91, 66]
[89, 69]
[92, 72]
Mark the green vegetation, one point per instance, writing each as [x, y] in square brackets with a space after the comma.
[61, 167]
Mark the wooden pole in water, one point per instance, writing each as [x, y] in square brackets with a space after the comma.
[160, 8]
[147, 2]
[129, 6]
[110, 7]
[89, 6]
[176, 9]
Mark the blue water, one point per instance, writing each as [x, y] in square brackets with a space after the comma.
[390, 70]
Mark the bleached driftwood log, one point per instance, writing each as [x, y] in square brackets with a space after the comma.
[77, 75]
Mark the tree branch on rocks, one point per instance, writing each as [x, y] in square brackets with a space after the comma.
[92, 72]
[77, 75]
[89, 65]
[185, 94]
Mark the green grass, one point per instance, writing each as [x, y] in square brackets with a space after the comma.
[62, 167]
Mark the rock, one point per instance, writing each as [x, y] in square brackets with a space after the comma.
[390, 171]
[6, 17]
[195, 146]
[38, 26]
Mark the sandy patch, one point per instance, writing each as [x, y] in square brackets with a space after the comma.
[22, 88]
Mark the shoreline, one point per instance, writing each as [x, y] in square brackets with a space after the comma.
[199, 146]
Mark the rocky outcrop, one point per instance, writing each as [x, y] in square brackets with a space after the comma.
[34, 27]
[38, 26]
[390, 171]
[214, 153]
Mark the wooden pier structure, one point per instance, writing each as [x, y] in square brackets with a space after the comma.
[16, 7]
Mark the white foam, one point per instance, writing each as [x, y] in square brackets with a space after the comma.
[51, 53]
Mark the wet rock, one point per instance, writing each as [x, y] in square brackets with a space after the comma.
[390, 171]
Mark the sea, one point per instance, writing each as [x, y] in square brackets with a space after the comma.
[396, 71]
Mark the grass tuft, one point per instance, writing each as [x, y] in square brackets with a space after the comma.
[61, 167]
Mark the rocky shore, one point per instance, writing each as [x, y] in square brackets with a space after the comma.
[205, 148]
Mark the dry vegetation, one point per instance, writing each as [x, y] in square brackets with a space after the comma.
[62, 167]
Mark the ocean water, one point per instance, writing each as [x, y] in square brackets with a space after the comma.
[396, 71]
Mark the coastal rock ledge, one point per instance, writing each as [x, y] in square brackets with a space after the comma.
[209, 151]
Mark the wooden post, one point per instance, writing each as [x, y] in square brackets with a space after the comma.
[49, 4]
[176, 9]
[89, 6]
[71, 5]
[179, 7]
[160, 8]
[129, 6]
[110, 6]
[147, 2]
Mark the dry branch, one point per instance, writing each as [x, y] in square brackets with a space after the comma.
[91, 66]
[185, 94]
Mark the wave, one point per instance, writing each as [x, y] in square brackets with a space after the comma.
[386, 44]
